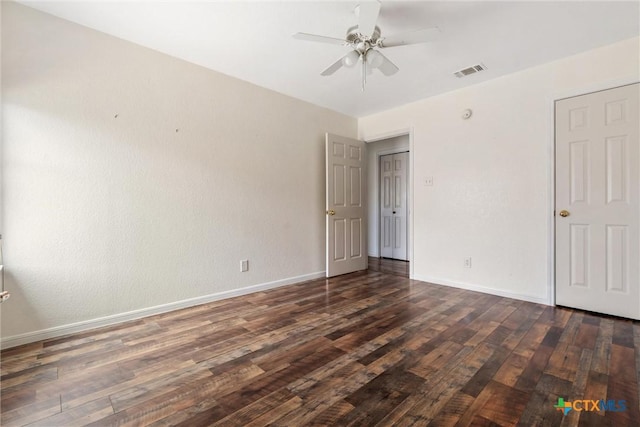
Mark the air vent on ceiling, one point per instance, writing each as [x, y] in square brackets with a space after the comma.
[470, 70]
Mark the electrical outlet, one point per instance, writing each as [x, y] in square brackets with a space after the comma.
[467, 262]
[428, 181]
[244, 265]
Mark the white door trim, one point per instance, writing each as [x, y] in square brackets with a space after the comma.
[388, 135]
[551, 166]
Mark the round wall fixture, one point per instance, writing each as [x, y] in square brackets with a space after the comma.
[466, 114]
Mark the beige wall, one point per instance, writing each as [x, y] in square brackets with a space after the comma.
[107, 216]
[492, 193]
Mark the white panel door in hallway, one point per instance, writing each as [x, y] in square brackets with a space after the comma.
[346, 206]
[597, 202]
[393, 205]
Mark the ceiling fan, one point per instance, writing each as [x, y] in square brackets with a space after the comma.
[365, 39]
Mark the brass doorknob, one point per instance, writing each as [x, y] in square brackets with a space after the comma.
[564, 213]
[331, 212]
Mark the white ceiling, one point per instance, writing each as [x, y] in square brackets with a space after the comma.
[252, 41]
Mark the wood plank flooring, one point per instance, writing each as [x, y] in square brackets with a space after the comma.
[364, 349]
[390, 266]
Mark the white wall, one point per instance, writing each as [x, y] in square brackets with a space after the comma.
[107, 216]
[492, 193]
[375, 149]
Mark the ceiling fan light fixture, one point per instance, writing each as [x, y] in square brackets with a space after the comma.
[374, 59]
[351, 59]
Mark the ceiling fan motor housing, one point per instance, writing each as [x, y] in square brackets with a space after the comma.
[355, 37]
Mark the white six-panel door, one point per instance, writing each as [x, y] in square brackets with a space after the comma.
[597, 202]
[346, 205]
[393, 205]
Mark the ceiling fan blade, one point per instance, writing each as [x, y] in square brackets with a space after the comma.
[348, 60]
[412, 37]
[321, 39]
[333, 67]
[387, 67]
[367, 16]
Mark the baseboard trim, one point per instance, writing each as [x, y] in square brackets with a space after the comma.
[72, 328]
[483, 289]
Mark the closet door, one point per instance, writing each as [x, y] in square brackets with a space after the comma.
[598, 202]
[393, 206]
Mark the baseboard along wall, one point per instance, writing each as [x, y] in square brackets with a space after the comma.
[58, 331]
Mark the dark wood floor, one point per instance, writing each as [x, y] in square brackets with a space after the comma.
[391, 266]
[366, 349]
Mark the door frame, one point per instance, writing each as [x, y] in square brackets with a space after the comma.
[380, 137]
[551, 102]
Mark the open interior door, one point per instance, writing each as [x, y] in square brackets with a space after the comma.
[346, 205]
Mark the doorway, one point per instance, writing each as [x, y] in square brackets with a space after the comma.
[376, 149]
